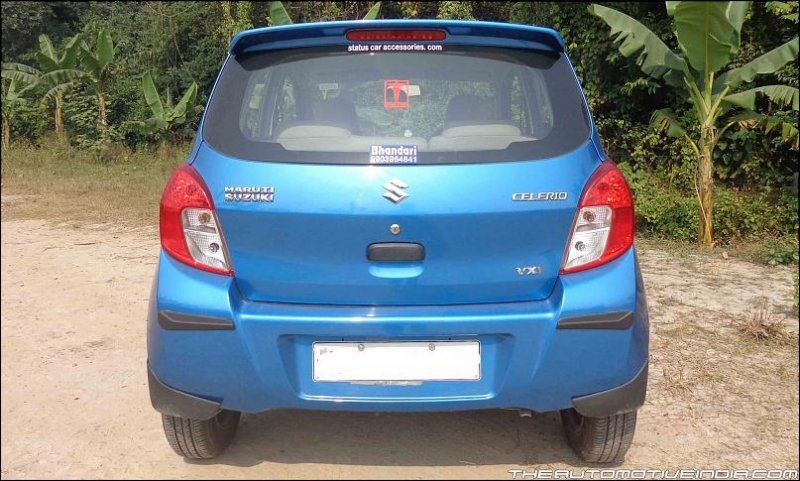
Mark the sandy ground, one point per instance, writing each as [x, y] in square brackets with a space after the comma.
[75, 402]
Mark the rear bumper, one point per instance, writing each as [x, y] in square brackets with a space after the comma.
[586, 346]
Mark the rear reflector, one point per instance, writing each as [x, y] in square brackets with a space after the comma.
[395, 35]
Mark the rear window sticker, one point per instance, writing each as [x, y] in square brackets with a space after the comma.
[393, 154]
[392, 47]
[395, 94]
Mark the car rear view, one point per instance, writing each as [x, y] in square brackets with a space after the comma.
[398, 216]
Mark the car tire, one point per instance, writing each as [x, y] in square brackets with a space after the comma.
[201, 439]
[599, 440]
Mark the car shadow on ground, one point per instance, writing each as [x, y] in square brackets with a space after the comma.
[489, 437]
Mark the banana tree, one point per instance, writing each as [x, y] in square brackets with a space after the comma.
[57, 72]
[709, 36]
[166, 116]
[96, 67]
[279, 16]
[12, 100]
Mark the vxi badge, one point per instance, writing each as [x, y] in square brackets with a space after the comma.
[534, 196]
[529, 270]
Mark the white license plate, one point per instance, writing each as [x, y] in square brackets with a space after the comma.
[397, 361]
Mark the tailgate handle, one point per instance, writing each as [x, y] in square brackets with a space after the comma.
[396, 252]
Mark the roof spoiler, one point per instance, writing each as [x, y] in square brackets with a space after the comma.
[492, 34]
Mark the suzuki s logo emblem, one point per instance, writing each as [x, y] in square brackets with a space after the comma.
[394, 190]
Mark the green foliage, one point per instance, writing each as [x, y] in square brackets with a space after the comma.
[235, 17]
[455, 10]
[373, 12]
[28, 124]
[764, 64]
[709, 33]
[174, 39]
[319, 11]
[57, 73]
[96, 63]
[82, 121]
[664, 210]
[278, 14]
[13, 100]
[24, 22]
[783, 10]
[166, 118]
[780, 251]
[709, 36]
[655, 58]
[96, 66]
[13, 96]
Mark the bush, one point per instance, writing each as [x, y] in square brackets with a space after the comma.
[666, 210]
[782, 251]
[31, 124]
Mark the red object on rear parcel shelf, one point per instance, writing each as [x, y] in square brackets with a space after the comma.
[395, 94]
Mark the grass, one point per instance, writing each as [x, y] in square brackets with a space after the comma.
[684, 369]
[758, 251]
[60, 183]
[676, 382]
[763, 326]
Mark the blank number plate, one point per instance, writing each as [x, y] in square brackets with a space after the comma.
[397, 361]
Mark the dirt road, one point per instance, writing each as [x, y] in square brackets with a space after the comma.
[75, 402]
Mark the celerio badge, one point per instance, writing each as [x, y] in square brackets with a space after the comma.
[538, 196]
[249, 194]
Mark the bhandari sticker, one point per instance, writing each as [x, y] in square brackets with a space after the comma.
[393, 154]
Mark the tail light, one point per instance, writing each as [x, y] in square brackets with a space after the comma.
[604, 226]
[189, 228]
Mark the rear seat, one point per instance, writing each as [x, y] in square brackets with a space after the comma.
[331, 138]
[469, 126]
[473, 136]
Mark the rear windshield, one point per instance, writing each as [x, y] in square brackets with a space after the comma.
[455, 105]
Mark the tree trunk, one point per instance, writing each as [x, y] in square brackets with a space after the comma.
[59, 119]
[101, 101]
[705, 188]
[6, 135]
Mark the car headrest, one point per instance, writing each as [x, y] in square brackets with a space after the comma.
[340, 111]
[467, 108]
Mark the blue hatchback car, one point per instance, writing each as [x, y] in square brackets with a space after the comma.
[398, 216]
